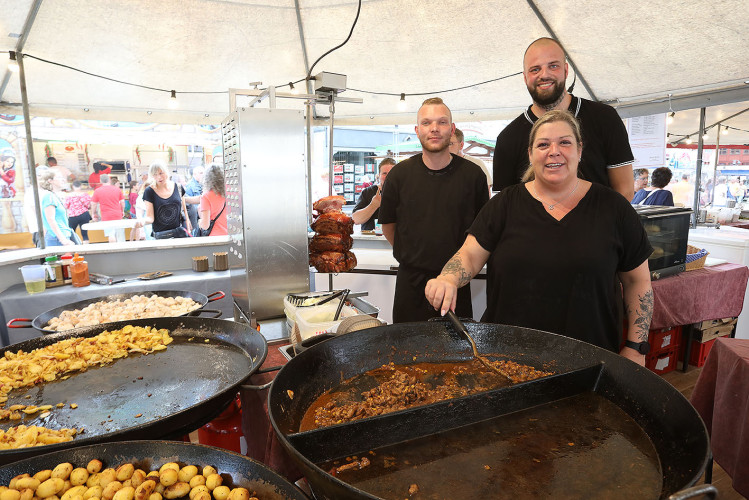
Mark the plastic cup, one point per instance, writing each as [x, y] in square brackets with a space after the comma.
[33, 278]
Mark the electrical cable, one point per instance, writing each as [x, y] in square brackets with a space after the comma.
[114, 79]
[358, 10]
[398, 94]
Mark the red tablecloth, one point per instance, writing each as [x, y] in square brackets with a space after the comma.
[721, 396]
[709, 293]
[262, 443]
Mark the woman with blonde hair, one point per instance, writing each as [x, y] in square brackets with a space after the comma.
[57, 232]
[212, 210]
[165, 206]
[555, 247]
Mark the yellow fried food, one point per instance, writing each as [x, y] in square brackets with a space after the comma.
[168, 477]
[78, 476]
[62, 470]
[94, 466]
[22, 436]
[22, 369]
[50, 487]
[213, 481]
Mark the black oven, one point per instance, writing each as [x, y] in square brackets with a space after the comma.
[668, 230]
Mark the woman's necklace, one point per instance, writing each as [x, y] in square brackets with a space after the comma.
[551, 207]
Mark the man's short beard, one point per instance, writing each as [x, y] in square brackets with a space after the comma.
[551, 100]
[436, 149]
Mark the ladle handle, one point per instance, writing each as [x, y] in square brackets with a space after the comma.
[462, 329]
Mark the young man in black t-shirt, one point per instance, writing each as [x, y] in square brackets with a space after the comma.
[428, 203]
[367, 209]
[607, 157]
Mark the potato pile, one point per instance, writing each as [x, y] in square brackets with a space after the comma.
[125, 482]
[136, 307]
[22, 369]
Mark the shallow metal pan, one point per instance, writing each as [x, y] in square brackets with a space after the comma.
[41, 320]
[237, 470]
[174, 391]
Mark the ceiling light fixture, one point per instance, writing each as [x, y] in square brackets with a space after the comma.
[725, 130]
[402, 103]
[293, 89]
[85, 109]
[149, 112]
[672, 113]
[705, 136]
[13, 64]
[688, 140]
[173, 104]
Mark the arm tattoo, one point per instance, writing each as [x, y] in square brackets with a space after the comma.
[455, 266]
[644, 314]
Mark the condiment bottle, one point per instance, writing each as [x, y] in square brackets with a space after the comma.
[79, 271]
[66, 260]
[53, 274]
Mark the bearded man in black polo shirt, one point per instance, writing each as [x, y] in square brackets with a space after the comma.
[428, 203]
[606, 158]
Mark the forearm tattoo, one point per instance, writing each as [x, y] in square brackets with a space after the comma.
[455, 267]
[643, 315]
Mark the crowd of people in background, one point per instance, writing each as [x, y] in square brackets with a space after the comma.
[681, 192]
[161, 201]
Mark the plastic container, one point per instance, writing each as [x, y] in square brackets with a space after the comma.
[319, 319]
[33, 278]
[79, 271]
[66, 260]
[53, 272]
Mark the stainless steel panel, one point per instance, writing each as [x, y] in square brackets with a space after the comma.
[266, 191]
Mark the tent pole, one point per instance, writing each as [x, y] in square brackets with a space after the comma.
[698, 173]
[30, 148]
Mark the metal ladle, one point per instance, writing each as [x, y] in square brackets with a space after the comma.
[462, 329]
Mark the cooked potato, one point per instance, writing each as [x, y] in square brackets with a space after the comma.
[107, 476]
[169, 465]
[74, 491]
[110, 489]
[239, 494]
[188, 472]
[198, 480]
[176, 490]
[93, 492]
[143, 491]
[43, 475]
[155, 496]
[221, 492]
[10, 495]
[168, 477]
[12, 484]
[50, 487]
[125, 493]
[198, 489]
[213, 481]
[203, 495]
[93, 480]
[159, 489]
[125, 472]
[27, 482]
[79, 476]
[27, 494]
[94, 466]
[137, 478]
[62, 470]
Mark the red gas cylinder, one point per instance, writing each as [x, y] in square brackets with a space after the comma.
[225, 431]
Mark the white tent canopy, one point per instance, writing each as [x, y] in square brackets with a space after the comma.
[628, 53]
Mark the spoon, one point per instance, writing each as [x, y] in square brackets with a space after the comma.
[462, 329]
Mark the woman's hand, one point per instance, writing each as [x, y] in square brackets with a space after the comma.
[442, 293]
[632, 355]
[66, 242]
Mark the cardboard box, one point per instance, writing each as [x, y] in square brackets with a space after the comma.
[712, 323]
[713, 333]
